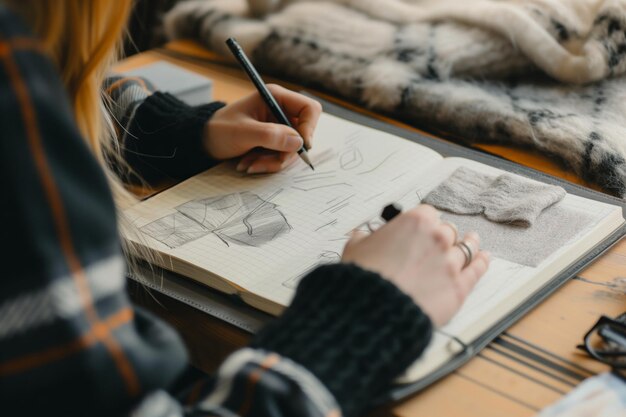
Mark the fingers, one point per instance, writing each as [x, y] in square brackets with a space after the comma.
[422, 215]
[471, 274]
[264, 162]
[446, 235]
[247, 124]
[250, 157]
[350, 250]
[414, 230]
[296, 105]
[355, 237]
[270, 136]
[458, 257]
[417, 226]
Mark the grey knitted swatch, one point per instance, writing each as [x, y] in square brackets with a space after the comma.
[504, 199]
[460, 193]
[517, 201]
[555, 228]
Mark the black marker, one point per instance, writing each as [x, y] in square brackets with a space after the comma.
[265, 93]
[390, 211]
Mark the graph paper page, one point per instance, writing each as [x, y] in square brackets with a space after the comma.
[264, 232]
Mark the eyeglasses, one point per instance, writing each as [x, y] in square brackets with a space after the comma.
[606, 342]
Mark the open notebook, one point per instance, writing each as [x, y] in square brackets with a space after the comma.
[257, 236]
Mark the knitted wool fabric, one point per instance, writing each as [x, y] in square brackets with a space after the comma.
[503, 199]
[353, 330]
[544, 74]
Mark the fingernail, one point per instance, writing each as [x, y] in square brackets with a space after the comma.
[295, 141]
[241, 167]
[257, 170]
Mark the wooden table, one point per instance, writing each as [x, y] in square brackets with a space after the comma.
[530, 366]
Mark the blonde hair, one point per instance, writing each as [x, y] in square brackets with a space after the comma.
[83, 38]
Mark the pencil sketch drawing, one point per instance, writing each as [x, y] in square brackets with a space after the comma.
[325, 225]
[353, 138]
[239, 218]
[328, 257]
[388, 157]
[175, 230]
[368, 199]
[399, 176]
[292, 282]
[324, 258]
[339, 184]
[350, 158]
[317, 176]
[317, 180]
[321, 158]
[338, 205]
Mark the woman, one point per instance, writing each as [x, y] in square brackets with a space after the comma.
[70, 341]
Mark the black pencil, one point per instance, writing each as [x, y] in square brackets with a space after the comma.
[269, 99]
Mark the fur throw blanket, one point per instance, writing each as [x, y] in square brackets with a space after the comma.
[546, 74]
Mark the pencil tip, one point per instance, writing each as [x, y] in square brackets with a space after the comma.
[305, 158]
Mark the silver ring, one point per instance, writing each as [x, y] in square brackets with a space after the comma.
[467, 251]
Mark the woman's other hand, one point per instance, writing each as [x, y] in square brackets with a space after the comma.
[247, 129]
[416, 251]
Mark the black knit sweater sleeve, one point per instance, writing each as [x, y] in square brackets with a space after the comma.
[160, 136]
[352, 329]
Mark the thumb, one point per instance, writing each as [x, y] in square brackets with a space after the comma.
[273, 136]
[355, 237]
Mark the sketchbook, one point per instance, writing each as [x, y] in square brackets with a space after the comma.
[257, 236]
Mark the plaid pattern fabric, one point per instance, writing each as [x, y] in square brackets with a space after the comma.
[67, 330]
[71, 343]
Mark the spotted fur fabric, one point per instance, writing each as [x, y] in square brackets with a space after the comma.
[545, 74]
